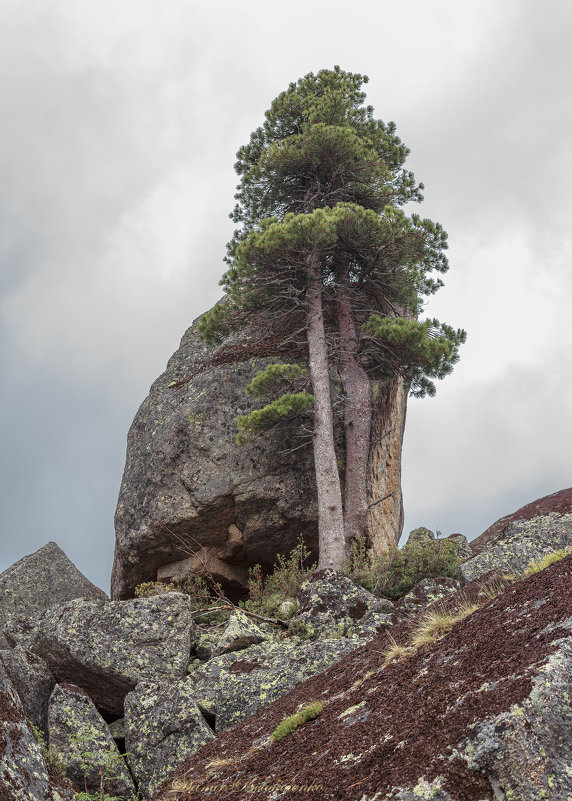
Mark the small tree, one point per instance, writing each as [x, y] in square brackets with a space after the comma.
[324, 253]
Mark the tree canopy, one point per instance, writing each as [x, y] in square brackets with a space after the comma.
[325, 255]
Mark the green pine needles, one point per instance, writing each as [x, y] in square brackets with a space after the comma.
[263, 419]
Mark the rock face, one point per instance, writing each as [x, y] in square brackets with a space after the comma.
[38, 581]
[165, 721]
[534, 530]
[23, 772]
[81, 736]
[106, 648]
[188, 487]
[482, 714]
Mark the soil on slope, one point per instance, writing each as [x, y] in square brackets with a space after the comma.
[387, 727]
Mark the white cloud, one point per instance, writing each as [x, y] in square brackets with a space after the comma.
[120, 125]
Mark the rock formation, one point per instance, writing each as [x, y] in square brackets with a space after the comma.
[192, 500]
[524, 536]
[38, 581]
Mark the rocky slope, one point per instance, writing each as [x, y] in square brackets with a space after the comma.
[483, 713]
[139, 687]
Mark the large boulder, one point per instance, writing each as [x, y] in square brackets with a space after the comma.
[231, 687]
[534, 530]
[192, 500]
[38, 581]
[163, 727]
[81, 737]
[107, 648]
[23, 770]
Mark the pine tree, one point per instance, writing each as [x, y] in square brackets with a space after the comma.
[325, 252]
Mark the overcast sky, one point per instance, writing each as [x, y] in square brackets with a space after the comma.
[120, 123]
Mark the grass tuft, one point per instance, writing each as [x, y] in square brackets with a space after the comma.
[548, 559]
[395, 651]
[290, 724]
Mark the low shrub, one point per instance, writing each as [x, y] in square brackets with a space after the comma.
[268, 593]
[394, 573]
[290, 724]
[203, 595]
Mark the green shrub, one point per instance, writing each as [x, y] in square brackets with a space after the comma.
[267, 593]
[288, 725]
[394, 573]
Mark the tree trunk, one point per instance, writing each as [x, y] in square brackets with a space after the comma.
[357, 420]
[330, 516]
[385, 517]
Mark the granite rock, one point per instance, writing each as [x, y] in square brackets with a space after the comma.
[526, 536]
[81, 736]
[33, 681]
[330, 603]
[39, 581]
[163, 727]
[107, 647]
[23, 771]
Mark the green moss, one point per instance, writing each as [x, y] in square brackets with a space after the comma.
[290, 724]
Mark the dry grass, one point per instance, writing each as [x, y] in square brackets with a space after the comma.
[395, 651]
[219, 764]
[433, 624]
[548, 559]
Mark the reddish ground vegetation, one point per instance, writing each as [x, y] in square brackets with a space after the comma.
[403, 720]
[559, 502]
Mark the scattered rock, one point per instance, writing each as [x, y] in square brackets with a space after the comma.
[81, 736]
[485, 712]
[330, 603]
[106, 648]
[163, 727]
[33, 681]
[426, 592]
[38, 581]
[240, 632]
[527, 535]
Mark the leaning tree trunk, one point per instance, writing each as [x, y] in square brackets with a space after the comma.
[357, 420]
[385, 517]
[330, 516]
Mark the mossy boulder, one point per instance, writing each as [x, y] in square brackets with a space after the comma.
[163, 727]
[329, 604]
[81, 737]
[108, 647]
